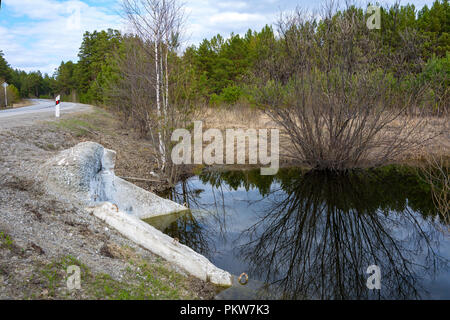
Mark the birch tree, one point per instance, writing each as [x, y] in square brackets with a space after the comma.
[158, 24]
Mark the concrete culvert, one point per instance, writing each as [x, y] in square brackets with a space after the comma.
[85, 174]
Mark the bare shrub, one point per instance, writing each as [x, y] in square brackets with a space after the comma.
[323, 84]
[436, 173]
[130, 95]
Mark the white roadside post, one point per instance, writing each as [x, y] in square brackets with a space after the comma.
[6, 95]
[58, 102]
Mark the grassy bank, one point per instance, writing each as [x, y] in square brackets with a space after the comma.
[142, 279]
[41, 234]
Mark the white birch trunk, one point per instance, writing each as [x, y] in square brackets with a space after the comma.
[158, 101]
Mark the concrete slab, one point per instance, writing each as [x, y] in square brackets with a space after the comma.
[161, 244]
[85, 173]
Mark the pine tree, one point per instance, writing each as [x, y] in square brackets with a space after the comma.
[5, 70]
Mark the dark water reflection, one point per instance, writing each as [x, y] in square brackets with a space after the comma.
[305, 235]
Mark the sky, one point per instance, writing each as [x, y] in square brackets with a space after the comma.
[39, 34]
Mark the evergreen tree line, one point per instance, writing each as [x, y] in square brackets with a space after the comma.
[413, 45]
[26, 85]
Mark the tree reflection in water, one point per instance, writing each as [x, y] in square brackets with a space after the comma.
[314, 234]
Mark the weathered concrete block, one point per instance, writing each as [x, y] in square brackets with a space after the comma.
[85, 173]
[70, 173]
[162, 245]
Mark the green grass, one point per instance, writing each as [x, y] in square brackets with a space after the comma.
[79, 127]
[102, 112]
[99, 120]
[6, 241]
[54, 273]
[141, 281]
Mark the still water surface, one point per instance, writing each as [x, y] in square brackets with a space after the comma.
[304, 235]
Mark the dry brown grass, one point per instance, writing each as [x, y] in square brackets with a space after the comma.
[135, 158]
[435, 131]
[237, 116]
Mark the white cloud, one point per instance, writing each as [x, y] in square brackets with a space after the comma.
[233, 18]
[42, 33]
[232, 4]
[39, 34]
[207, 18]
